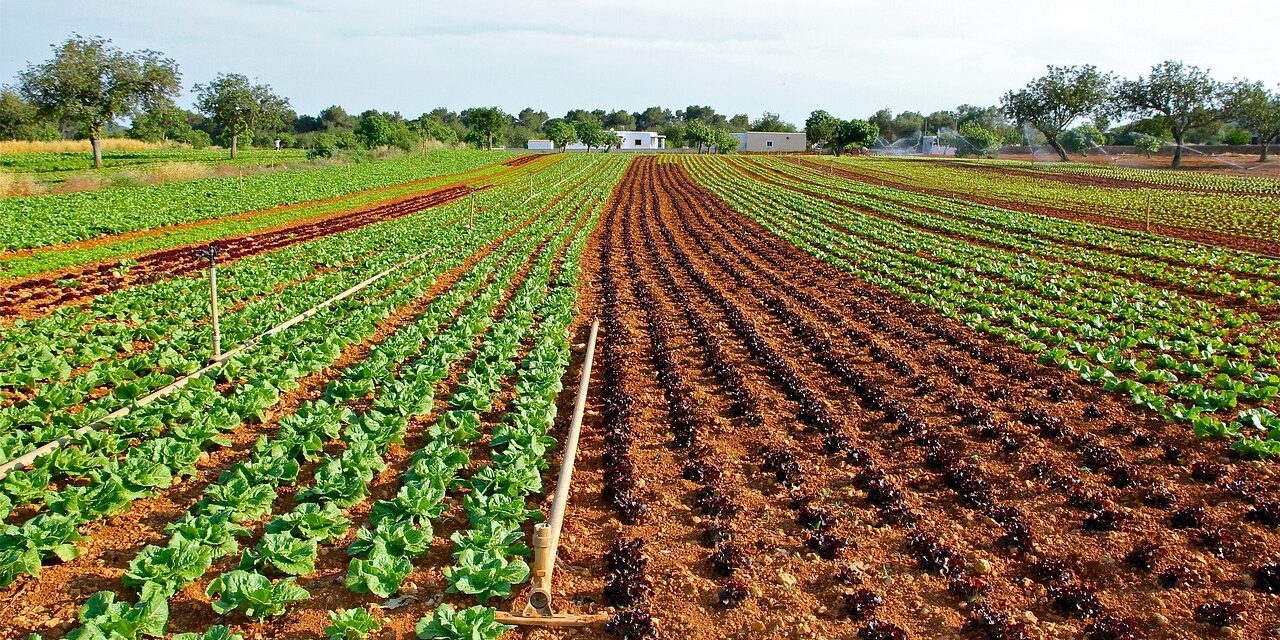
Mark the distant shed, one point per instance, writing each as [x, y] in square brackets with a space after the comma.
[772, 141]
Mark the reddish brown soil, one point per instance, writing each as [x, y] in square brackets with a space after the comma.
[829, 331]
[853, 384]
[39, 295]
[1256, 245]
[522, 160]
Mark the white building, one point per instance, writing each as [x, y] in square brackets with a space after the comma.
[771, 141]
[627, 141]
[641, 140]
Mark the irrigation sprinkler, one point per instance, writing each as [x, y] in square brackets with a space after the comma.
[471, 223]
[530, 185]
[538, 611]
[211, 254]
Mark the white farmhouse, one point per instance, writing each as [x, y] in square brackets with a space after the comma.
[641, 140]
[627, 141]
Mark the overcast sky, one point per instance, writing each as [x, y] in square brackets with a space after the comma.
[743, 56]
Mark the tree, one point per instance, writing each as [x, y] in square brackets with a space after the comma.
[908, 124]
[591, 132]
[1053, 101]
[652, 118]
[771, 122]
[485, 122]
[698, 133]
[606, 139]
[532, 119]
[377, 129]
[883, 120]
[697, 112]
[373, 129]
[560, 133]
[724, 141]
[1237, 136]
[739, 122]
[93, 84]
[161, 123]
[430, 127]
[973, 139]
[20, 120]
[674, 132]
[1257, 110]
[1184, 94]
[1082, 138]
[1147, 143]
[237, 105]
[621, 120]
[939, 120]
[854, 134]
[584, 129]
[820, 127]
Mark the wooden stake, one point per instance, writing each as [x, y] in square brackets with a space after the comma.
[213, 309]
[211, 254]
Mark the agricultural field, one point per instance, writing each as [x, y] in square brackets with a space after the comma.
[43, 168]
[831, 398]
[56, 166]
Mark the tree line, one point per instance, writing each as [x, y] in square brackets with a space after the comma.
[1073, 109]
[89, 88]
[1173, 101]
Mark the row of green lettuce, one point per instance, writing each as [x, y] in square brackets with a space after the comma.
[145, 451]
[1238, 276]
[488, 556]
[1243, 214]
[80, 363]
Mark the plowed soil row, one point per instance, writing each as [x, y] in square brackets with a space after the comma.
[1256, 245]
[37, 296]
[522, 160]
[922, 401]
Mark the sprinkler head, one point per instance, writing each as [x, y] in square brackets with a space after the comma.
[209, 253]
